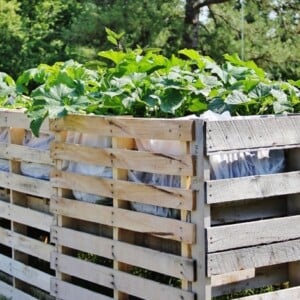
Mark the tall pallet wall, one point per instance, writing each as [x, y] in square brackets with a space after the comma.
[25, 219]
[109, 250]
[252, 232]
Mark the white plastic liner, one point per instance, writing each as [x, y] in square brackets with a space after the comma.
[90, 140]
[37, 170]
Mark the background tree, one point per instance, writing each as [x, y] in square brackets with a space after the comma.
[36, 31]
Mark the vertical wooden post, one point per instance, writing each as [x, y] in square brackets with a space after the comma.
[58, 220]
[16, 136]
[118, 234]
[201, 214]
[293, 206]
[185, 216]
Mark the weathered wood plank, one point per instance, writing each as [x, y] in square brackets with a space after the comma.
[143, 128]
[27, 185]
[121, 281]
[13, 294]
[201, 216]
[25, 273]
[17, 118]
[125, 159]
[253, 257]
[253, 233]
[149, 194]
[67, 291]
[232, 277]
[126, 219]
[24, 153]
[25, 216]
[251, 187]
[291, 293]
[172, 265]
[25, 244]
[253, 133]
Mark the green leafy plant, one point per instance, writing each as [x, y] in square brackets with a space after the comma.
[144, 83]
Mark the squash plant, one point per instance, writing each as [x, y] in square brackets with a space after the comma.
[147, 84]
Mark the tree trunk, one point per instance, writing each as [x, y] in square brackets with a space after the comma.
[190, 38]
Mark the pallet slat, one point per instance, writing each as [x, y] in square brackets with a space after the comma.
[26, 185]
[25, 216]
[25, 273]
[24, 153]
[166, 129]
[67, 291]
[25, 244]
[253, 257]
[253, 233]
[253, 187]
[253, 133]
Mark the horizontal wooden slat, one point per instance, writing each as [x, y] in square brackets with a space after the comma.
[121, 281]
[156, 195]
[253, 187]
[253, 257]
[266, 276]
[67, 291]
[252, 233]
[252, 133]
[25, 216]
[12, 293]
[27, 185]
[166, 129]
[23, 153]
[125, 159]
[232, 277]
[25, 244]
[172, 265]
[25, 273]
[162, 227]
[291, 293]
[17, 118]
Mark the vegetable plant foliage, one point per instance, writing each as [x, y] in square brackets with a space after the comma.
[145, 83]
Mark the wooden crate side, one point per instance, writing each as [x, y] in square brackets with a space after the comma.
[166, 228]
[164, 263]
[121, 281]
[125, 159]
[246, 133]
[165, 129]
[177, 198]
